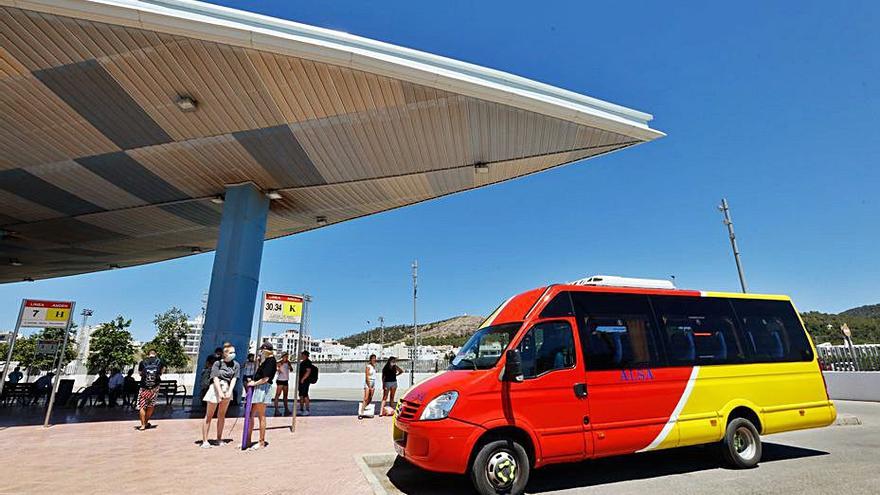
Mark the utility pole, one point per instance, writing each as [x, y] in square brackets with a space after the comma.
[725, 209]
[381, 337]
[415, 351]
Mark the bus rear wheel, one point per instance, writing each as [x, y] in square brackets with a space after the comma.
[741, 446]
[500, 467]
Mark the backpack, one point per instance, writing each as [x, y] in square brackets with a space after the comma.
[150, 374]
[313, 376]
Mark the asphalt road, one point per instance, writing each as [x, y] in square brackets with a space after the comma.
[836, 459]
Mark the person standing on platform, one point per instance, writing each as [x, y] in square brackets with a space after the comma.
[389, 384]
[307, 376]
[224, 373]
[262, 394]
[282, 382]
[151, 370]
[369, 385]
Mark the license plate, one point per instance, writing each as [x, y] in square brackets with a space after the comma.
[399, 449]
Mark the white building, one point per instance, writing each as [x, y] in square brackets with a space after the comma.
[193, 338]
[287, 341]
[329, 350]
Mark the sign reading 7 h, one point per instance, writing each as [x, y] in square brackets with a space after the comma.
[45, 314]
[282, 308]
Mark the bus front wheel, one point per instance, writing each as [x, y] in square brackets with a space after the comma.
[500, 467]
[741, 446]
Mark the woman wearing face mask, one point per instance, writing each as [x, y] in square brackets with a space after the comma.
[224, 373]
[262, 394]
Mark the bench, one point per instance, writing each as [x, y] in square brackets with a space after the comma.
[20, 392]
[171, 390]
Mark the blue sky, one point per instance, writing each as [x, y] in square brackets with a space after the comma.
[773, 106]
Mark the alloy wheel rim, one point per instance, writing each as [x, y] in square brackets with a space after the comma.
[744, 443]
[501, 470]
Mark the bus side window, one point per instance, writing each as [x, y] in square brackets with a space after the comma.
[771, 331]
[616, 330]
[546, 347]
[697, 330]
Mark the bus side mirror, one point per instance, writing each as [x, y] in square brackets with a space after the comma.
[513, 366]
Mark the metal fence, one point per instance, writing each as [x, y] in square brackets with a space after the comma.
[422, 365]
[862, 357]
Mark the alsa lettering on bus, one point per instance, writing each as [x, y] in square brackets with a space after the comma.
[636, 375]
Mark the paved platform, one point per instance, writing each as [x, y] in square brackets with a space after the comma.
[103, 453]
[110, 456]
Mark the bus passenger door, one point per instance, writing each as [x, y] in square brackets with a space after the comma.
[631, 400]
[551, 399]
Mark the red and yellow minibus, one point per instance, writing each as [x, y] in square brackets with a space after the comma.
[586, 370]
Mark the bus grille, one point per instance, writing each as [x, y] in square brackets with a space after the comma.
[406, 410]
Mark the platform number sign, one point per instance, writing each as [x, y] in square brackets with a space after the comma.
[45, 314]
[282, 308]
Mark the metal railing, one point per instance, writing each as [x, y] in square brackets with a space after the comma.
[422, 365]
[861, 357]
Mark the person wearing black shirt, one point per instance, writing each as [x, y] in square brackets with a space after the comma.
[389, 384]
[262, 394]
[151, 370]
[305, 381]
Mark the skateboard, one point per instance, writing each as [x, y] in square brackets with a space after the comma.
[246, 432]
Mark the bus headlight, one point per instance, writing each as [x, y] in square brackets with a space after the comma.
[439, 407]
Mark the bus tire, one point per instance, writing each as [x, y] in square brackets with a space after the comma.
[500, 467]
[741, 445]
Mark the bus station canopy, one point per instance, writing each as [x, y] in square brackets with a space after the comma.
[122, 122]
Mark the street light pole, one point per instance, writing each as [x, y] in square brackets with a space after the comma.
[381, 337]
[415, 352]
[725, 209]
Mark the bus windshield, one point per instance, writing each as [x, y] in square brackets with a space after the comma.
[484, 348]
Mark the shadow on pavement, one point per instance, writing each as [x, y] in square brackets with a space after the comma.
[18, 415]
[412, 480]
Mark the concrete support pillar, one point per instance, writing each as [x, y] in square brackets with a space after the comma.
[235, 276]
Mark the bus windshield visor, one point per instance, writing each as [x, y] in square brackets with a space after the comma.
[485, 347]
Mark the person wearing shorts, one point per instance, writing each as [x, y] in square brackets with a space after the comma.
[305, 381]
[369, 384]
[262, 394]
[150, 370]
[223, 375]
[389, 384]
[282, 379]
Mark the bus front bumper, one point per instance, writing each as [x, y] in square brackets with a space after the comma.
[443, 445]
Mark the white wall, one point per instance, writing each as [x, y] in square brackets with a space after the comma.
[325, 380]
[853, 385]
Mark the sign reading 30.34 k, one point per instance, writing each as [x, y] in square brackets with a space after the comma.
[45, 314]
[282, 308]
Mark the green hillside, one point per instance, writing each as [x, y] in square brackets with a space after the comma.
[452, 331]
[866, 311]
[864, 321]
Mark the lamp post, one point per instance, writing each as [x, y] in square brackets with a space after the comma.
[725, 209]
[415, 351]
[381, 337]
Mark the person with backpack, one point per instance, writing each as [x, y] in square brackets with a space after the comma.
[308, 374]
[150, 370]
